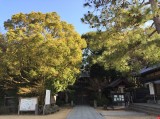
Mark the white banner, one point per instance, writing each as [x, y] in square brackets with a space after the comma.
[48, 97]
[151, 88]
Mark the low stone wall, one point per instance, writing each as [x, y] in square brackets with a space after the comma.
[158, 101]
[153, 102]
[48, 109]
[8, 110]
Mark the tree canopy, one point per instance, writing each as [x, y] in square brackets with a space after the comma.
[122, 14]
[126, 52]
[126, 42]
[41, 52]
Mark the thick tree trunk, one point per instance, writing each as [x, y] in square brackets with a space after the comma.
[154, 5]
[156, 19]
[157, 23]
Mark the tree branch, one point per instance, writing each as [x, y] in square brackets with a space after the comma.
[152, 33]
[146, 3]
[152, 24]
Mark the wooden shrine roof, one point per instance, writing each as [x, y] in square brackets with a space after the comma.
[118, 82]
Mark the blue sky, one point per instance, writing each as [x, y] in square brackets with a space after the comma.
[69, 10]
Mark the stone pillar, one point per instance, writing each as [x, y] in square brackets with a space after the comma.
[95, 103]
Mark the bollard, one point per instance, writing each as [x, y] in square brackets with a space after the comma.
[95, 104]
[72, 104]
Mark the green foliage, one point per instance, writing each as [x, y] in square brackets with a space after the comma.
[103, 101]
[130, 51]
[126, 43]
[121, 15]
[126, 51]
[60, 102]
[42, 52]
[2, 50]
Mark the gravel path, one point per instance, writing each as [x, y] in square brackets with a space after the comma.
[84, 112]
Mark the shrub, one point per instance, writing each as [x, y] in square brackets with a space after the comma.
[102, 101]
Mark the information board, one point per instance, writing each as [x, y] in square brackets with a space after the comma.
[28, 104]
[118, 98]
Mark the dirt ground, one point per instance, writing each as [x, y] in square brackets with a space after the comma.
[107, 114]
[62, 114]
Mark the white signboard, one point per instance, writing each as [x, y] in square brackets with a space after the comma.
[151, 88]
[28, 104]
[118, 98]
[48, 97]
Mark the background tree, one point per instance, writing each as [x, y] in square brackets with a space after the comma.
[130, 51]
[126, 42]
[2, 51]
[100, 77]
[122, 14]
[42, 52]
[126, 52]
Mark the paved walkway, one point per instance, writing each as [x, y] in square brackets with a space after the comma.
[84, 112]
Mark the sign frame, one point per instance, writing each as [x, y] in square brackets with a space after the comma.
[29, 101]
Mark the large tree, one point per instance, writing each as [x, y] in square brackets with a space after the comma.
[127, 51]
[42, 52]
[126, 43]
[2, 50]
[122, 14]
[100, 76]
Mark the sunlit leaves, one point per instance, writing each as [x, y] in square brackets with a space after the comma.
[130, 51]
[126, 51]
[121, 14]
[42, 51]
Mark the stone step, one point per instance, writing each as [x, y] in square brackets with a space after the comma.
[145, 108]
[145, 111]
[150, 109]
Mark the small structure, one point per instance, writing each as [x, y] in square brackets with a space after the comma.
[151, 77]
[118, 91]
[119, 85]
